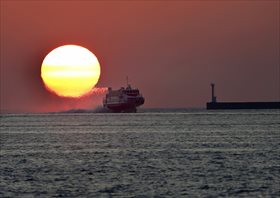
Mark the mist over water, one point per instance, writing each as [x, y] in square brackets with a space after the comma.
[159, 152]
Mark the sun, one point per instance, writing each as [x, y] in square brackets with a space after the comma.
[70, 71]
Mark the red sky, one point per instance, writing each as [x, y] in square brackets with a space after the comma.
[171, 51]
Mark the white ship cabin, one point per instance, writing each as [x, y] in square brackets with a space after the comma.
[131, 92]
[127, 91]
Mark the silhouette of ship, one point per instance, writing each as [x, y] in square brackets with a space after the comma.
[123, 100]
[239, 105]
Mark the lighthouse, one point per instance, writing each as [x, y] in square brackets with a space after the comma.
[214, 99]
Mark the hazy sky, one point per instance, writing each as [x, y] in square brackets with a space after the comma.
[171, 50]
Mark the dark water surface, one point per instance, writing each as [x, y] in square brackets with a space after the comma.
[148, 154]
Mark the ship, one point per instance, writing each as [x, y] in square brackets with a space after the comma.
[123, 100]
[213, 105]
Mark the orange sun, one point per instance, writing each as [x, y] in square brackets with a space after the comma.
[70, 71]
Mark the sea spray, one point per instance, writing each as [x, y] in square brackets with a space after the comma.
[99, 90]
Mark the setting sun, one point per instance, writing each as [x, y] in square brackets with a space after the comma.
[70, 71]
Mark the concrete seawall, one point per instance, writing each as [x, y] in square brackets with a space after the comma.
[243, 105]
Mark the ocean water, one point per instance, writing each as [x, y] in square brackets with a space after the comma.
[154, 153]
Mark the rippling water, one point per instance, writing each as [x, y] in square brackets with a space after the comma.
[149, 154]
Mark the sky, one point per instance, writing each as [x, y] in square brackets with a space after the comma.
[170, 50]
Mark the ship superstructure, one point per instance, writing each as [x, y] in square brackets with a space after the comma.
[123, 100]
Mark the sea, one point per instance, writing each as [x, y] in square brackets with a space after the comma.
[152, 153]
